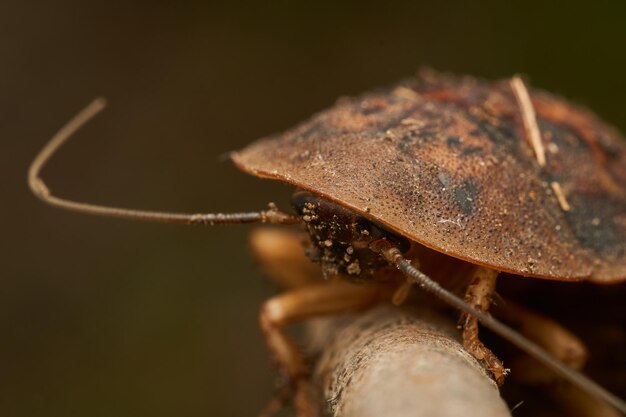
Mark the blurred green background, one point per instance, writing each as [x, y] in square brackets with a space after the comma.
[102, 317]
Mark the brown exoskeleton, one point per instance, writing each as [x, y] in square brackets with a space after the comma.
[433, 173]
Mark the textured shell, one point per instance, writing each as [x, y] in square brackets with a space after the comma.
[445, 161]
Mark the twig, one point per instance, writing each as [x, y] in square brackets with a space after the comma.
[530, 119]
[394, 362]
[560, 196]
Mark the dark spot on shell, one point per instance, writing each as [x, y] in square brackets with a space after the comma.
[472, 150]
[591, 220]
[407, 144]
[428, 134]
[497, 134]
[465, 197]
[454, 141]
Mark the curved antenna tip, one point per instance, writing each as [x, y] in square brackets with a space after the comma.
[101, 101]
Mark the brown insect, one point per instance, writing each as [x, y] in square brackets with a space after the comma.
[455, 177]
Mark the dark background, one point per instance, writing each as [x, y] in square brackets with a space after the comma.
[102, 317]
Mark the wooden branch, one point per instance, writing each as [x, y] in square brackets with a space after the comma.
[399, 363]
[388, 361]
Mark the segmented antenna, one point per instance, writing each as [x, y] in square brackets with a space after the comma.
[393, 255]
[41, 190]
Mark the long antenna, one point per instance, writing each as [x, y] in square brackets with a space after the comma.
[41, 190]
[393, 255]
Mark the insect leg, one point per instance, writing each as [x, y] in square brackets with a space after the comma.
[281, 258]
[299, 305]
[563, 345]
[393, 255]
[478, 295]
[547, 333]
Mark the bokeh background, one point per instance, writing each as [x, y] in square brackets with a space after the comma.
[102, 317]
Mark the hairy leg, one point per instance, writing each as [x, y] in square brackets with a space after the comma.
[302, 304]
[478, 294]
